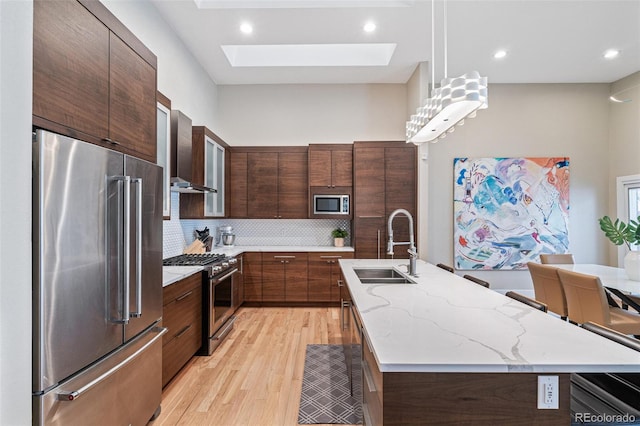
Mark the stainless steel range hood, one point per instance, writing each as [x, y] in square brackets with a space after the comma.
[181, 157]
[181, 185]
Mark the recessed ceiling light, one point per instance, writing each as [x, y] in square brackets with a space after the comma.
[246, 28]
[500, 54]
[369, 27]
[611, 53]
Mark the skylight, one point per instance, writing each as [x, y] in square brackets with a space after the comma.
[310, 55]
[295, 4]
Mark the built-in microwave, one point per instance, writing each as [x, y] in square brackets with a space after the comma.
[330, 204]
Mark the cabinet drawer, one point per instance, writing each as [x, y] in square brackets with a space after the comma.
[371, 386]
[181, 313]
[179, 350]
[327, 256]
[174, 291]
[284, 256]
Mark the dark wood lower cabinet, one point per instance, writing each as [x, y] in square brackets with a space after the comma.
[292, 277]
[182, 316]
[324, 273]
[456, 398]
[252, 276]
[284, 277]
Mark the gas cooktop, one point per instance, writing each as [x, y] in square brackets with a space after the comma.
[202, 259]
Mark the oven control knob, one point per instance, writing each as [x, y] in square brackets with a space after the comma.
[233, 261]
[225, 264]
[217, 269]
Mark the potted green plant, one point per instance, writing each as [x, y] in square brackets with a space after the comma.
[620, 233]
[339, 235]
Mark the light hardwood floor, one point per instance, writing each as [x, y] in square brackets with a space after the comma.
[255, 376]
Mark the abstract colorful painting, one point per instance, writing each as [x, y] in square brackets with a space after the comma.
[507, 211]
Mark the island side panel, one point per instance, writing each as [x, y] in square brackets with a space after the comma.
[470, 398]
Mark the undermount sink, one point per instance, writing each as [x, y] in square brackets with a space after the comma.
[381, 276]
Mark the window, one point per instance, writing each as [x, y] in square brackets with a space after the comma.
[628, 199]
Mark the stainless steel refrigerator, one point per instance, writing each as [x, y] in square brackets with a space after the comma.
[97, 284]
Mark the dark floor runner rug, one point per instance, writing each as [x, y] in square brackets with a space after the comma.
[326, 394]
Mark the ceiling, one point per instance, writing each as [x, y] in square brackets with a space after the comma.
[547, 41]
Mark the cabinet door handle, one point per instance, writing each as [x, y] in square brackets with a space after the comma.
[378, 244]
[110, 141]
[340, 283]
[369, 217]
[330, 257]
[181, 333]
[343, 318]
[366, 372]
[74, 395]
[184, 296]
[284, 257]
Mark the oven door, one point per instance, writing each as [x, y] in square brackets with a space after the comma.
[220, 300]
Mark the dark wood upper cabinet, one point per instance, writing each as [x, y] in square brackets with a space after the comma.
[384, 180]
[70, 67]
[92, 78]
[293, 191]
[269, 183]
[330, 165]
[238, 198]
[262, 184]
[369, 185]
[132, 100]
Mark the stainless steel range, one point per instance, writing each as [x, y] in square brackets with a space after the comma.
[217, 294]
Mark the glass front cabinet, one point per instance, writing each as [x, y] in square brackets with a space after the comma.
[164, 150]
[214, 177]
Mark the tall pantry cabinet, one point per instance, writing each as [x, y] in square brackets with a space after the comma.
[384, 180]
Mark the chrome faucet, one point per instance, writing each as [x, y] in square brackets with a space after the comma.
[413, 253]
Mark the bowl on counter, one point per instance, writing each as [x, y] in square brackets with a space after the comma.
[228, 239]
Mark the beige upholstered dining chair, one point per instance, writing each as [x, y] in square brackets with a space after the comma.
[565, 258]
[587, 301]
[548, 288]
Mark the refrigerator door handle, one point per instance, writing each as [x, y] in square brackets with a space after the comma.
[74, 395]
[126, 258]
[137, 182]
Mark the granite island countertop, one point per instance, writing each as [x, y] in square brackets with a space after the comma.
[445, 323]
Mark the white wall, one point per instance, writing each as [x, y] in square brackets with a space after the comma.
[303, 114]
[624, 142]
[180, 77]
[16, 35]
[530, 120]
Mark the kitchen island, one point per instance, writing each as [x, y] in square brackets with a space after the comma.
[448, 351]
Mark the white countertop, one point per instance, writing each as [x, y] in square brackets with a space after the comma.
[236, 250]
[445, 323]
[172, 274]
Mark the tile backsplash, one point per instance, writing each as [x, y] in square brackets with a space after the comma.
[251, 232]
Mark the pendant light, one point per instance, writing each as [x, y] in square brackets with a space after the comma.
[456, 99]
